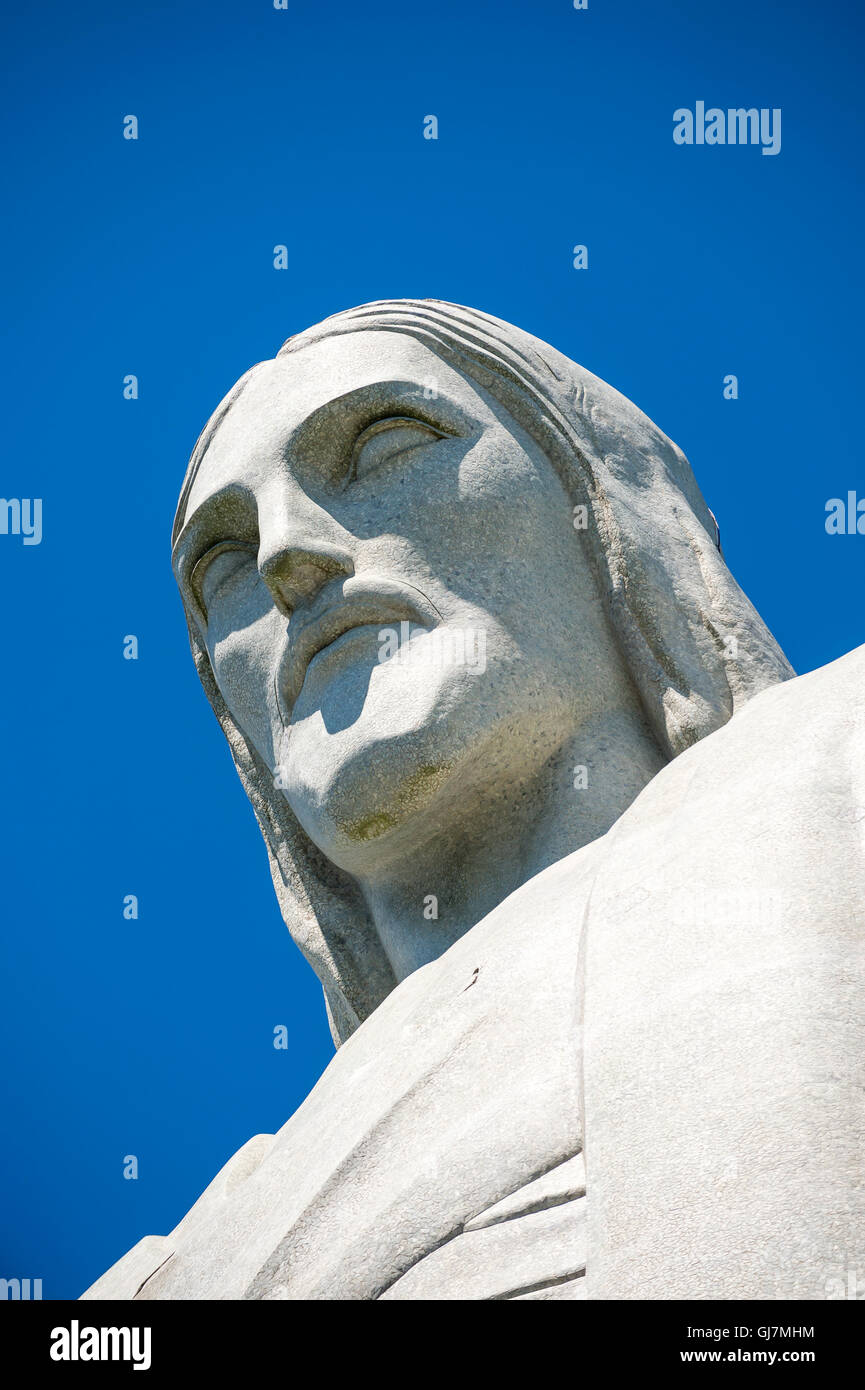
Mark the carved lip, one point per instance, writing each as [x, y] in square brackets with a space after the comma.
[361, 601]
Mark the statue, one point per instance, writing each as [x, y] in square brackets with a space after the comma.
[577, 861]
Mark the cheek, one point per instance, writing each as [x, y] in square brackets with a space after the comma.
[513, 500]
[245, 660]
[490, 526]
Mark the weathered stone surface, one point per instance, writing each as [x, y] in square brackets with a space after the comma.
[505, 1260]
[564, 1183]
[580, 867]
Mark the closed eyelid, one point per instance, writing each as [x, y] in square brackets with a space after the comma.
[199, 567]
[321, 446]
[230, 515]
[394, 423]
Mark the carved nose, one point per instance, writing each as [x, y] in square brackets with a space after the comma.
[294, 575]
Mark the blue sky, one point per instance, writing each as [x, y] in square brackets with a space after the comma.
[304, 127]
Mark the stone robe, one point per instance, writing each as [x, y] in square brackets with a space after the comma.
[641, 1076]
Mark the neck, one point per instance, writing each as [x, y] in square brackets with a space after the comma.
[505, 835]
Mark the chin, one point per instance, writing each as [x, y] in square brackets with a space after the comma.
[373, 760]
[367, 800]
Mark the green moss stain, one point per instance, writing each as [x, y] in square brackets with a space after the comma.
[370, 827]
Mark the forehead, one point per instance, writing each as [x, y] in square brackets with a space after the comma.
[282, 395]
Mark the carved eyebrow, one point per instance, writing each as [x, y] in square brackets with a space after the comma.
[324, 439]
[322, 442]
[229, 511]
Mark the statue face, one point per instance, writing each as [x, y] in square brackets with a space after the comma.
[398, 611]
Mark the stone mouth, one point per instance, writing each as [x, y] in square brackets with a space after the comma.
[362, 603]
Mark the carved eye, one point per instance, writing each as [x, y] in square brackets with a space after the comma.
[386, 439]
[222, 566]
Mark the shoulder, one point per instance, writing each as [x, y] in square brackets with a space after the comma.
[831, 695]
[723, 1036]
[128, 1275]
[794, 746]
[777, 795]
